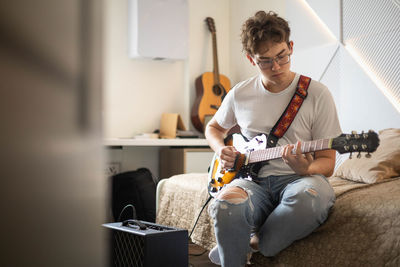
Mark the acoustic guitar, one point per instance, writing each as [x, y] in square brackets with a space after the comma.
[211, 88]
[253, 154]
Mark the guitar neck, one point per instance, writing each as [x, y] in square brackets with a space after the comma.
[215, 58]
[276, 152]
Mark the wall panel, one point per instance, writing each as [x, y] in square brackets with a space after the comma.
[363, 74]
[372, 29]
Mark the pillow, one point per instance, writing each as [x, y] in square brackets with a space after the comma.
[383, 164]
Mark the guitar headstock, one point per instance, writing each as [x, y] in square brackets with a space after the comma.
[355, 142]
[211, 24]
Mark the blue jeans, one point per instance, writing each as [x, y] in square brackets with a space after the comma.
[279, 209]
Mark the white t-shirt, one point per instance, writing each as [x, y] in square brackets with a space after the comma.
[256, 110]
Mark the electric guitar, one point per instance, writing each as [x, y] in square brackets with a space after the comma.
[211, 88]
[254, 152]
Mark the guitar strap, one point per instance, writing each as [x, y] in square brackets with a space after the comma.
[290, 112]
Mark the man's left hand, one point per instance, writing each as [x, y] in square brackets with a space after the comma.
[298, 161]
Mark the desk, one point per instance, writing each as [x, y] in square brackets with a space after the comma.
[163, 157]
[187, 142]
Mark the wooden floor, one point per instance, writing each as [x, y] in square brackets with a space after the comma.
[198, 257]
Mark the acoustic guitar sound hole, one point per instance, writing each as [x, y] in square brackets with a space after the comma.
[217, 90]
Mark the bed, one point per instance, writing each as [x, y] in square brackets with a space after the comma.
[363, 228]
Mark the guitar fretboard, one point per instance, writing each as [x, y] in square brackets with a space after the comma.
[215, 58]
[276, 152]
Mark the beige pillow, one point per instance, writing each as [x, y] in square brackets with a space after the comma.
[383, 164]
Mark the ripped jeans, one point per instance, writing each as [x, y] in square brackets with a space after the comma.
[279, 209]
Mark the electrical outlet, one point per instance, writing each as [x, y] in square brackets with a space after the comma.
[113, 168]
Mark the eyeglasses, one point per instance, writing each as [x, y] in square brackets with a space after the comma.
[281, 60]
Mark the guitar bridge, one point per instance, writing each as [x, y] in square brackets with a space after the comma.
[214, 107]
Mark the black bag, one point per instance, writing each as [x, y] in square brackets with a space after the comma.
[134, 196]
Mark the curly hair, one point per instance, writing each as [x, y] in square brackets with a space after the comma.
[264, 27]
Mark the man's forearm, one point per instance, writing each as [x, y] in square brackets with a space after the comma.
[215, 138]
[322, 165]
[215, 135]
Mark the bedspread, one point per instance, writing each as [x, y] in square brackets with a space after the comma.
[363, 228]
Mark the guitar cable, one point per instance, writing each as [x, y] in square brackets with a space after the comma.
[198, 217]
[194, 226]
[122, 211]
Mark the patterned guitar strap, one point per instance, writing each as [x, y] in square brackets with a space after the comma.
[290, 112]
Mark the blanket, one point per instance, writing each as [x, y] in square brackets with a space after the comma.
[363, 228]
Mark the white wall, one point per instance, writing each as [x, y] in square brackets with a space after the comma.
[322, 32]
[135, 91]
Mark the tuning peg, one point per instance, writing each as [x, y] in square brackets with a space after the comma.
[364, 135]
[346, 148]
[355, 134]
[212, 181]
[359, 155]
[368, 155]
[219, 180]
[364, 146]
[214, 190]
[370, 131]
[355, 147]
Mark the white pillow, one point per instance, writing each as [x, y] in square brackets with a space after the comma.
[383, 164]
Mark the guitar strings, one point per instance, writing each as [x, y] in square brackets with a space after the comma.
[276, 152]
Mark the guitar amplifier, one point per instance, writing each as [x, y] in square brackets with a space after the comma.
[143, 244]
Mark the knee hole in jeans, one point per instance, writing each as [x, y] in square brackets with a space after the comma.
[233, 195]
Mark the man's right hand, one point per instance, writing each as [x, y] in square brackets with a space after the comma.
[227, 155]
[215, 135]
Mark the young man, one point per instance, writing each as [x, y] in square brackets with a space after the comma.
[290, 196]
